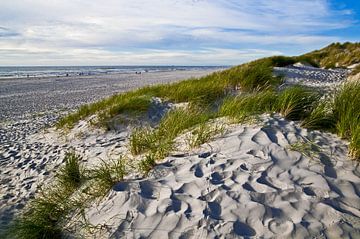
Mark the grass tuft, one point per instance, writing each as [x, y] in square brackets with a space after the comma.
[72, 174]
[203, 133]
[321, 116]
[106, 175]
[244, 106]
[347, 114]
[296, 102]
[147, 164]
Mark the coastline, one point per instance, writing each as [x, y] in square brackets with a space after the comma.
[19, 96]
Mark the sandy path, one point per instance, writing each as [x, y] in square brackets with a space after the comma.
[311, 76]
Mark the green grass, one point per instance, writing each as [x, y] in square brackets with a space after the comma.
[347, 108]
[105, 176]
[157, 143]
[336, 55]
[141, 140]
[72, 174]
[296, 102]
[347, 114]
[203, 133]
[206, 91]
[147, 164]
[244, 106]
[44, 216]
[321, 116]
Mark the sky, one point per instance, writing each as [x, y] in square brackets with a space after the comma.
[169, 32]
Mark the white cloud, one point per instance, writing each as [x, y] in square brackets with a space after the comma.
[68, 31]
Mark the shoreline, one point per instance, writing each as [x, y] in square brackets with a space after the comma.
[30, 96]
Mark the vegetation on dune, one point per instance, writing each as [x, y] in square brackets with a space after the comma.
[246, 105]
[205, 92]
[159, 141]
[336, 55]
[72, 174]
[47, 215]
[321, 116]
[203, 133]
[295, 103]
[346, 110]
[105, 176]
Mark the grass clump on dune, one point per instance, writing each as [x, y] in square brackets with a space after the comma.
[159, 141]
[347, 114]
[296, 102]
[203, 133]
[321, 116]
[105, 176]
[205, 91]
[252, 76]
[72, 174]
[247, 105]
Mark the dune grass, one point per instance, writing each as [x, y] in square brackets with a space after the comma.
[321, 116]
[105, 176]
[296, 102]
[147, 164]
[336, 55]
[203, 133]
[72, 174]
[346, 111]
[205, 91]
[244, 106]
[159, 141]
[45, 215]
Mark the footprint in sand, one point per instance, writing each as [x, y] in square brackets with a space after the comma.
[281, 227]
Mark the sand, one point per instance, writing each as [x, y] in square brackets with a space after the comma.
[21, 98]
[251, 185]
[253, 182]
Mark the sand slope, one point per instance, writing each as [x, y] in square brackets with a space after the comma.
[251, 185]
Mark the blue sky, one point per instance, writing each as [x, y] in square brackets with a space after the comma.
[169, 32]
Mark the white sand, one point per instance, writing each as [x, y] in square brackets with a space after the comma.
[252, 185]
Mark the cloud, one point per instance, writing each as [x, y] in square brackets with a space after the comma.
[111, 28]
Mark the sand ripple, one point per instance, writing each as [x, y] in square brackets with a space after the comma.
[262, 189]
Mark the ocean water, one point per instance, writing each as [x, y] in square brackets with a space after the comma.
[44, 71]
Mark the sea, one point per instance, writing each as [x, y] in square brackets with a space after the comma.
[47, 71]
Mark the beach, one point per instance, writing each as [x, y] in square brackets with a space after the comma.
[266, 179]
[23, 97]
[30, 106]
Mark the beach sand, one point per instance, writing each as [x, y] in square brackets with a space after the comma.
[251, 185]
[272, 179]
[29, 106]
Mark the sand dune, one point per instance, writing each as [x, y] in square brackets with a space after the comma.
[251, 185]
[275, 180]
